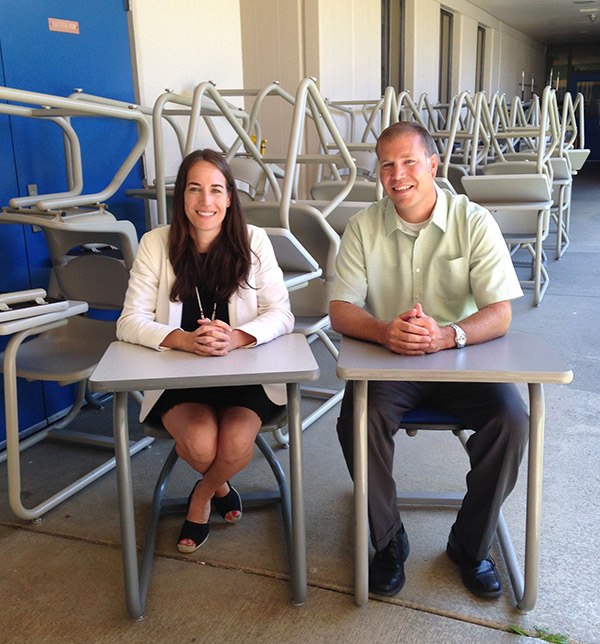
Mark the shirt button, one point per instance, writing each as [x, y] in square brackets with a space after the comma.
[417, 270]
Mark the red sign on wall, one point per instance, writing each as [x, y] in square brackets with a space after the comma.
[66, 26]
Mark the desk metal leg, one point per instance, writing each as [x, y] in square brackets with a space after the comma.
[125, 492]
[534, 497]
[298, 563]
[14, 446]
[361, 517]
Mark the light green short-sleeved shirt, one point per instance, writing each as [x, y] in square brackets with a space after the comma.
[457, 264]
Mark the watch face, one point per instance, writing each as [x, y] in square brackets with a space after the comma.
[459, 336]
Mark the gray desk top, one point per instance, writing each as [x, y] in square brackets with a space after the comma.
[127, 367]
[517, 357]
[74, 307]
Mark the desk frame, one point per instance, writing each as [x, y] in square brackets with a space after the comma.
[286, 359]
[20, 330]
[518, 358]
[530, 242]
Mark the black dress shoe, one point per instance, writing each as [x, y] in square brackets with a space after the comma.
[480, 577]
[386, 573]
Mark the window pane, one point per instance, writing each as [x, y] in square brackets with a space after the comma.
[480, 61]
[392, 44]
[445, 82]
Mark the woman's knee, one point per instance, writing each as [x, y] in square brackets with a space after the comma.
[194, 429]
[195, 447]
[236, 452]
[237, 433]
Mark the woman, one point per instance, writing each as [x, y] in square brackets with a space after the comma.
[207, 284]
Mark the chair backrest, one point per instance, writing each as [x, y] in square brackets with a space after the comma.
[319, 239]
[360, 191]
[366, 163]
[455, 173]
[507, 189]
[517, 166]
[339, 216]
[578, 158]
[444, 184]
[91, 257]
[291, 255]
[249, 177]
[515, 200]
[561, 168]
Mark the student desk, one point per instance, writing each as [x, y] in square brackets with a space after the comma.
[517, 357]
[20, 329]
[128, 367]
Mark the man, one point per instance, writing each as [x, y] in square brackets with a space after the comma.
[420, 271]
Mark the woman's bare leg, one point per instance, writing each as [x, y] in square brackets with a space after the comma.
[238, 427]
[195, 429]
[215, 445]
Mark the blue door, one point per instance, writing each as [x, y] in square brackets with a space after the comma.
[34, 57]
[588, 83]
[14, 273]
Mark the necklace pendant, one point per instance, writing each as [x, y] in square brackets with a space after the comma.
[214, 311]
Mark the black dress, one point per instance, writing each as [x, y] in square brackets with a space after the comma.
[252, 397]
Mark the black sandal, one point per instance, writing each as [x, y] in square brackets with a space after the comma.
[196, 532]
[228, 504]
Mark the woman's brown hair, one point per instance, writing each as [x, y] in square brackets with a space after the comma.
[227, 264]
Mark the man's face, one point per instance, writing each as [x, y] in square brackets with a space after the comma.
[407, 174]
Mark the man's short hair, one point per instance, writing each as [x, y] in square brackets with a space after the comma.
[408, 127]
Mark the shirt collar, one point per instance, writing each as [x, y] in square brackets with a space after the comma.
[440, 210]
[439, 216]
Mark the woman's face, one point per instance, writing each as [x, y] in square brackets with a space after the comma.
[205, 203]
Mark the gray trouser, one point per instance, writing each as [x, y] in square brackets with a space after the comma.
[497, 415]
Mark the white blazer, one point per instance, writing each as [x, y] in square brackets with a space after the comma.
[148, 315]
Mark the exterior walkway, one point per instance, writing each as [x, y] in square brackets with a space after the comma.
[61, 578]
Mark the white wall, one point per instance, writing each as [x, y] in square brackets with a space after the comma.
[422, 32]
[508, 51]
[272, 36]
[349, 49]
[250, 43]
[338, 42]
[349, 46]
[464, 54]
[512, 50]
[516, 54]
[180, 44]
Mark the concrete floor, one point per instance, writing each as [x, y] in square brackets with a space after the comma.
[61, 578]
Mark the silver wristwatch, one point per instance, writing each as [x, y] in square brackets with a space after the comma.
[460, 337]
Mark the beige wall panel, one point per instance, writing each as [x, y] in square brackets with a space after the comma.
[180, 45]
[464, 55]
[508, 51]
[272, 37]
[517, 56]
[515, 52]
[350, 49]
[422, 54]
[349, 54]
